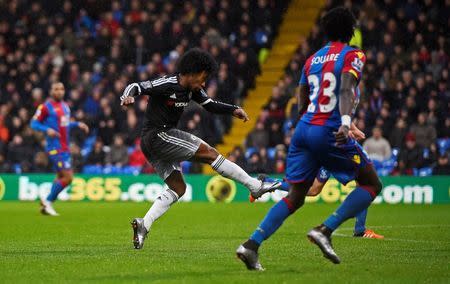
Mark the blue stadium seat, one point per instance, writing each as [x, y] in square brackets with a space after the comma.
[271, 153]
[395, 152]
[131, 170]
[287, 125]
[92, 169]
[377, 164]
[112, 170]
[423, 172]
[384, 171]
[88, 144]
[17, 168]
[444, 144]
[186, 167]
[250, 152]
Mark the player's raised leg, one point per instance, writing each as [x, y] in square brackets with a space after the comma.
[141, 226]
[228, 169]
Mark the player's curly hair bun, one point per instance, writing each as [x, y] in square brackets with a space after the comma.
[339, 24]
[196, 61]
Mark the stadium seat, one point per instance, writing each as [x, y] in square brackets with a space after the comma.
[271, 153]
[186, 167]
[131, 170]
[444, 144]
[92, 169]
[112, 170]
[250, 151]
[88, 144]
[423, 172]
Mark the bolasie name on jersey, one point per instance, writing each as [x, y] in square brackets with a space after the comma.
[325, 58]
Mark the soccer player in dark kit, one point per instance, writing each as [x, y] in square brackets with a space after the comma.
[165, 146]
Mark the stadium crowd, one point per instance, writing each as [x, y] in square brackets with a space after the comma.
[96, 50]
[405, 97]
[96, 47]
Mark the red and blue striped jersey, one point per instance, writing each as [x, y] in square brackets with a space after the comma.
[55, 115]
[322, 73]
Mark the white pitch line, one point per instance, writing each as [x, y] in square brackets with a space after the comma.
[399, 226]
[395, 239]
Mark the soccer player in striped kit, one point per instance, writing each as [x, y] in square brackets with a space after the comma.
[53, 119]
[328, 93]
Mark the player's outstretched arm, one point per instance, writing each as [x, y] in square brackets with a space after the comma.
[218, 107]
[346, 102]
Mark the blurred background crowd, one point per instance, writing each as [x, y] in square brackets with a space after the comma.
[405, 97]
[98, 49]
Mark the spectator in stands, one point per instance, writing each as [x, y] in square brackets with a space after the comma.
[411, 156]
[275, 134]
[255, 164]
[238, 156]
[425, 134]
[132, 129]
[266, 162]
[97, 156]
[377, 147]
[443, 166]
[118, 152]
[137, 157]
[280, 159]
[40, 163]
[5, 167]
[4, 132]
[77, 158]
[398, 133]
[258, 137]
[430, 156]
[18, 152]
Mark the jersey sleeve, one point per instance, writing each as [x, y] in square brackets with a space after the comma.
[354, 63]
[160, 86]
[211, 105]
[201, 97]
[41, 113]
[38, 118]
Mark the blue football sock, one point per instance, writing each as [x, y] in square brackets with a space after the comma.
[360, 224]
[358, 200]
[284, 184]
[57, 187]
[273, 220]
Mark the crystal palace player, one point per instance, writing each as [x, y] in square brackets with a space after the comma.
[53, 118]
[318, 184]
[165, 146]
[321, 138]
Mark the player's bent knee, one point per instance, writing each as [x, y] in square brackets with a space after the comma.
[179, 189]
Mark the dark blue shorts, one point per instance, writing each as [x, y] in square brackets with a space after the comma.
[61, 161]
[313, 147]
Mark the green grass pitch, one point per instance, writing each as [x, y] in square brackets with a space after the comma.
[195, 243]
